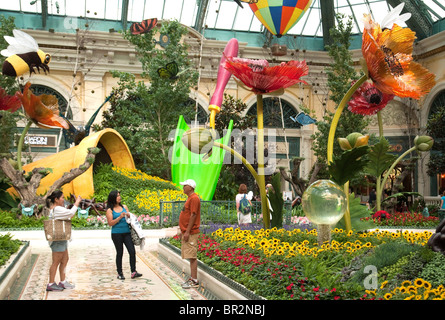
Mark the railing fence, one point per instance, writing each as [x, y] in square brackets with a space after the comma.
[216, 211]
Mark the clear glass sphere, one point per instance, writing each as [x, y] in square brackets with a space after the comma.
[324, 202]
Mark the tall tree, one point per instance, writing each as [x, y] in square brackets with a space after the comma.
[7, 120]
[340, 74]
[436, 129]
[146, 114]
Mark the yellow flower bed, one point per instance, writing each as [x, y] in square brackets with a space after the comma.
[139, 175]
[267, 242]
[149, 200]
[419, 289]
[304, 243]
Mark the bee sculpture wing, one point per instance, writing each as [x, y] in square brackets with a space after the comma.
[20, 43]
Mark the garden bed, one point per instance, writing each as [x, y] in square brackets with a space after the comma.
[11, 270]
[280, 264]
[217, 284]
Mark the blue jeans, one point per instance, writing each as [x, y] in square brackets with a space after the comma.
[119, 239]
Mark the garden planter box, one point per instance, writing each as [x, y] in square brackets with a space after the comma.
[12, 269]
[217, 284]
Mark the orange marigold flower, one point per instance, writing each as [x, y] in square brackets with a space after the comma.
[261, 78]
[43, 110]
[388, 55]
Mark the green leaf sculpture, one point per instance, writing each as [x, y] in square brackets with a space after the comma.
[345, 167]
[276, 201]
[379, 158]
[357, 211]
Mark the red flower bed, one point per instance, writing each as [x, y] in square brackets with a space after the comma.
[236, 256]
[403, 219]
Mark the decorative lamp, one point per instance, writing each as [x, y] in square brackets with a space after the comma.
[324, 204]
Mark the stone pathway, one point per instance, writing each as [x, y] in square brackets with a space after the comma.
[92, 269]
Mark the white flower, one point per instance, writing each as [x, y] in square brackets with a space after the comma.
[394, 17]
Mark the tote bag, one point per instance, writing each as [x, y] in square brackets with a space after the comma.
[57, 230]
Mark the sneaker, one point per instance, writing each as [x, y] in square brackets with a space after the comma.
[66, 285]
[120, 276]
[190, 283]
[53, 287]
[135, 275]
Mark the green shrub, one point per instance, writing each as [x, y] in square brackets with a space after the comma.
[434, 271]
[7, 247]
[414, 267]
[385, 255]
[130, 182]
[9, 220]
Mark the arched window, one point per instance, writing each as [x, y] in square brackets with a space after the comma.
[272, 113]
[436, 155]
[438, 103]
[39, 89]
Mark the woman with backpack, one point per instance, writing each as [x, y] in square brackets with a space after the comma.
[243, 206]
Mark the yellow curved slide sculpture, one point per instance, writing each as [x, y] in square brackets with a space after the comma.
[113, 148]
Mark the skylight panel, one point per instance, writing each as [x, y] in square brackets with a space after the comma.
[95, 9]
[136, 10]
[153, 9]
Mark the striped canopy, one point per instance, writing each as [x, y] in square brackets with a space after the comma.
[278, 16]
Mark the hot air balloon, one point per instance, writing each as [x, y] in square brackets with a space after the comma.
[278, 16]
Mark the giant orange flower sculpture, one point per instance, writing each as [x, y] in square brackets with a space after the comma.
[388, 56]
[261, 78]
[43, 110]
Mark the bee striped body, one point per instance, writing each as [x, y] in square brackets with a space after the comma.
[19, 64]
[23, 55]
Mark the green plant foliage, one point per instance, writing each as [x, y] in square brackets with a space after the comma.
[9, 220]
[379, 158]
[340, 73]
[435, 128]
[227, 188]
[434, 271]
[385, 255]
[146, 115]
[7, 202]
[412, 269]
[276, 201]
[106, 179]
[8, 246]
[348, 165]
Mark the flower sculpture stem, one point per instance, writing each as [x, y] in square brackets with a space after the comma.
[332, 130]
[263, 79]
[337, 114]
[380, 122]
[379, 186]
[236, 154]
[20, 145]
[259, 177]
[252, 171]
[260, 154]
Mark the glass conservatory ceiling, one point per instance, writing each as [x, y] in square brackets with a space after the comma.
[224, 19]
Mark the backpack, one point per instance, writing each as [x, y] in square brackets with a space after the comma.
[244, 206]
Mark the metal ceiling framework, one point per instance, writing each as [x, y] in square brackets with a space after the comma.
[212, 16]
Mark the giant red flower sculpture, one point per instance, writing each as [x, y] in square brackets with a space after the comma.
[9, 103]
[388, 56]
[261, 78]
[368, 100]
[43, 110]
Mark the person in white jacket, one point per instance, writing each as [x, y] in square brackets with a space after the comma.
[59, 248]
